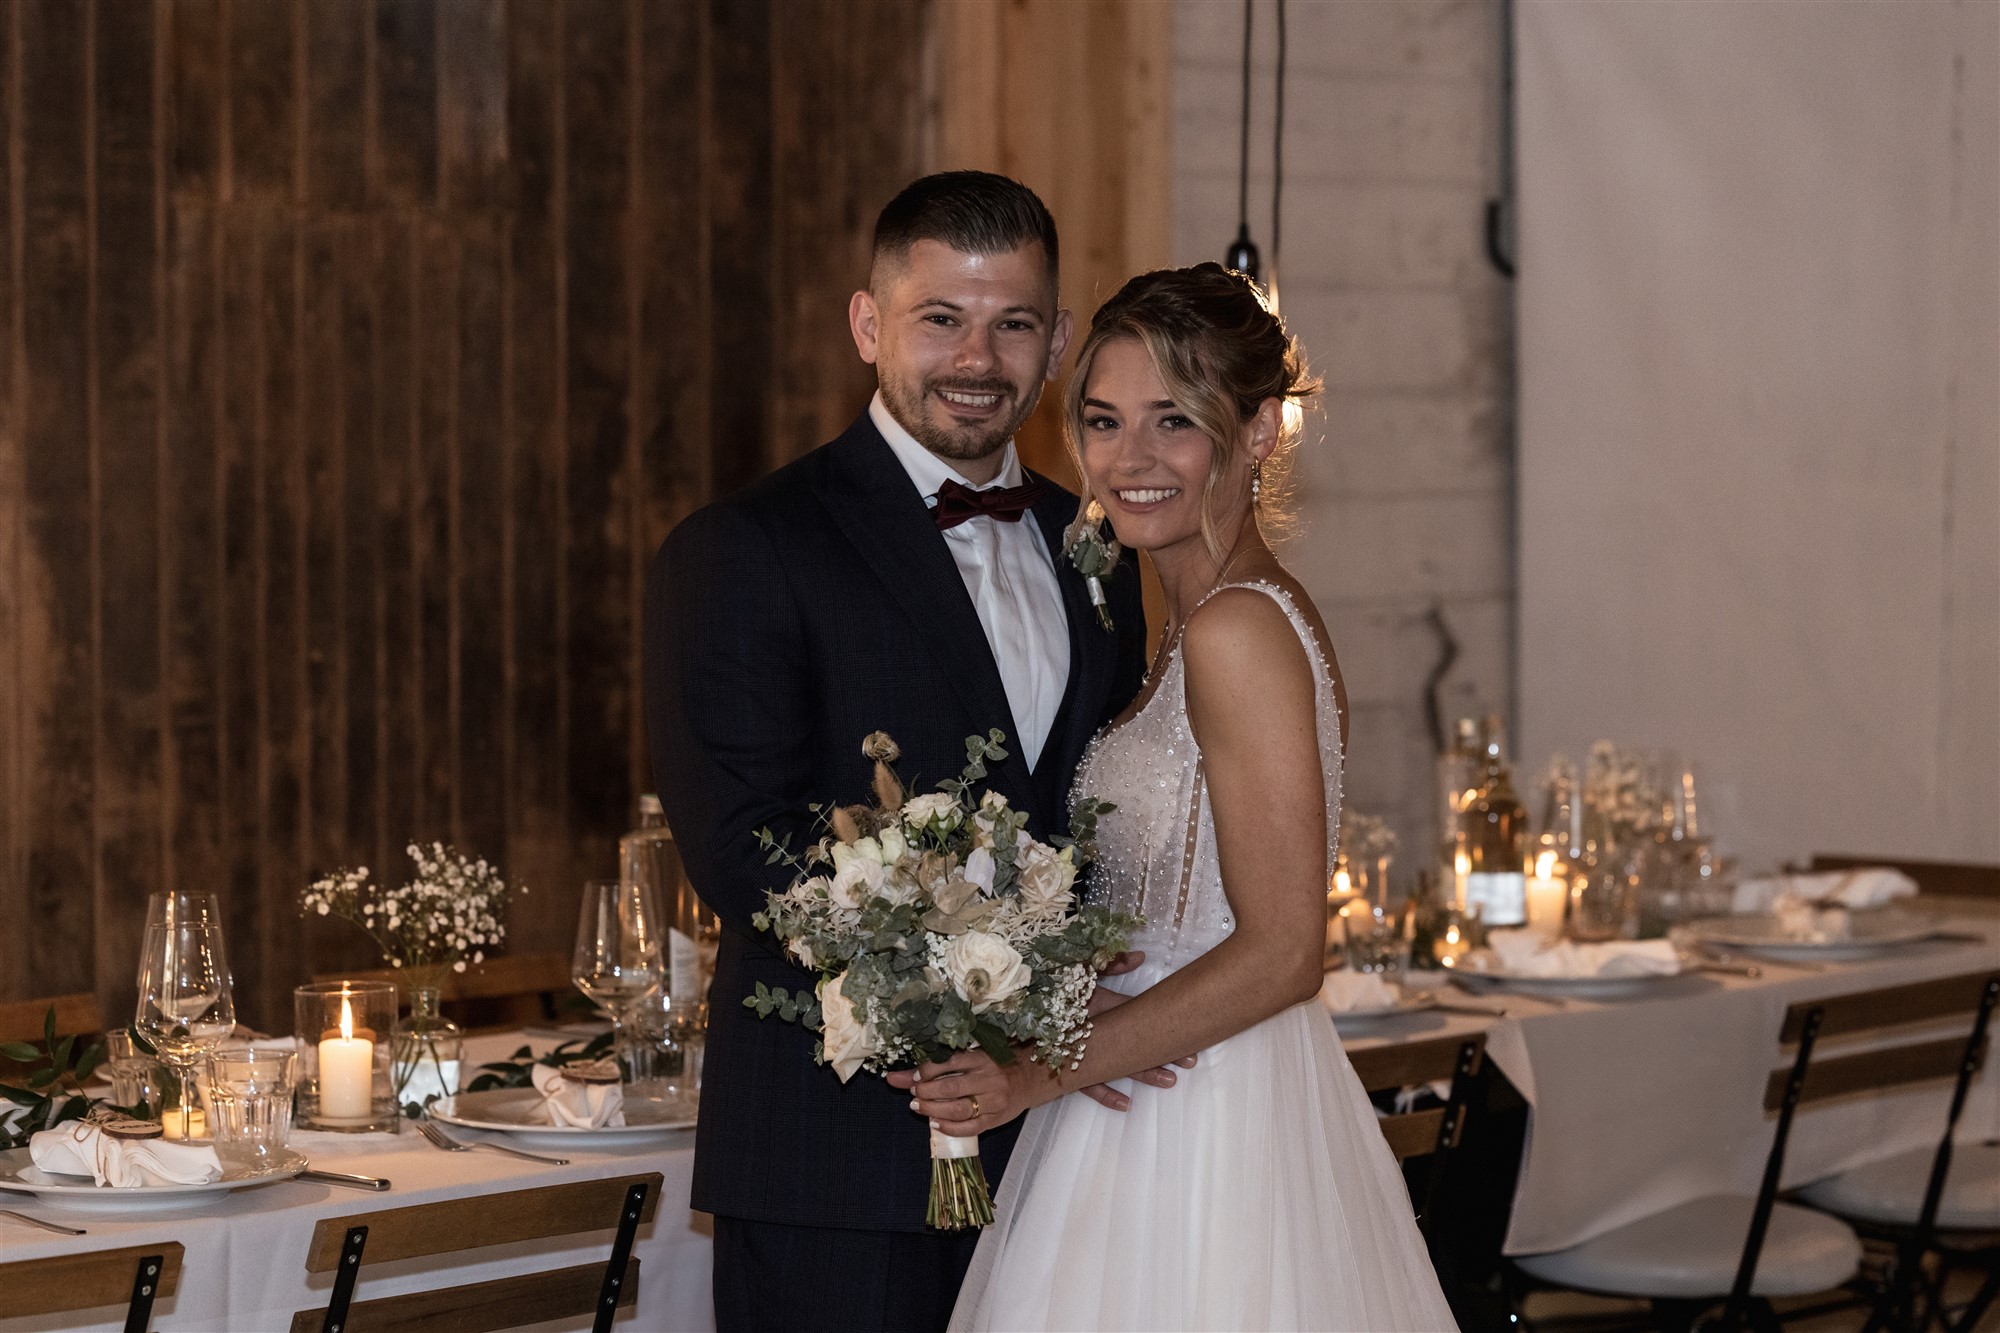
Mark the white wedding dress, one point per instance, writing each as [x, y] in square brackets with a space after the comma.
[1258, 1192]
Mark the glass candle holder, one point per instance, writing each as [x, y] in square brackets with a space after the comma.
[346, 1032]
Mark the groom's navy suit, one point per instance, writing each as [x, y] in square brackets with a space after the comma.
[783, 624]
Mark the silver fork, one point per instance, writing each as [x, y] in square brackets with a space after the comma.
[38, 1222]
[440, 1139]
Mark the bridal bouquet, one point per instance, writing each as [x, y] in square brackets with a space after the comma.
[938, 924]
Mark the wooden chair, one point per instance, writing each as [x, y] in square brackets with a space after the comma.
[502, 992]
[1943, 1200]
[22, 1020]
[455, 1225]
[65, 1282]
[1685, 1259]
[1433, 1132]
[1960, 879]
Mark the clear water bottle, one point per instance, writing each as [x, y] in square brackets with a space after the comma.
[648, 855]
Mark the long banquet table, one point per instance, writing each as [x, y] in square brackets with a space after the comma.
[1635, 1105]
[244, 1270]
[1639, 1104]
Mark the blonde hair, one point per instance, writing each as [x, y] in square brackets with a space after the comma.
[1221, 352]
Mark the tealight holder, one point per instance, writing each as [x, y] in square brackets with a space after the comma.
[346, 1032]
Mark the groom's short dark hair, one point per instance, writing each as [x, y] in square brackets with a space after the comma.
[973, 212]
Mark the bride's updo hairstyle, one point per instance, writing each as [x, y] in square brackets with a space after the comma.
[1220, 352]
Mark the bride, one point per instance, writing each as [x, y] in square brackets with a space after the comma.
[1258, 1193]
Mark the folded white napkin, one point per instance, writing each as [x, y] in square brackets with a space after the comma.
[1347, 990]
[578, 1105]
[1523, 953]
[1862, 888]
[79, 1149]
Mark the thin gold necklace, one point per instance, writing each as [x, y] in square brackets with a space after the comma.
[1173, 634]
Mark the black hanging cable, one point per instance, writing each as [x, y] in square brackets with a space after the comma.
[1243, 251]
[1278, 146]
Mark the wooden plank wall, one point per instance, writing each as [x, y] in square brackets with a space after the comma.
[354, 356]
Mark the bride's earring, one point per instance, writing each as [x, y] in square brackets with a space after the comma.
[1256, 481]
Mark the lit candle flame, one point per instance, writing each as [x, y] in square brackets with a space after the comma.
[1342, 884]
[346, 1020]
[1545, 865]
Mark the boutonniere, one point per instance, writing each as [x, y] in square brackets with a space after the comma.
[1094, 557]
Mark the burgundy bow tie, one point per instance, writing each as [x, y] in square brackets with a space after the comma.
[956, 503]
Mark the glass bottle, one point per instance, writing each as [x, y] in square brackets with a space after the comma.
[1458, 770]
[1493, 836]
[648, 855]
[429, 1046]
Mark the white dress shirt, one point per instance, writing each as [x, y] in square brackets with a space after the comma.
[1011, 579]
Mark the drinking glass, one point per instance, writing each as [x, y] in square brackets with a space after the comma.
[138, 1081]
[250, 1097]
[1376, 940]
[185, 1007]
[620, 960]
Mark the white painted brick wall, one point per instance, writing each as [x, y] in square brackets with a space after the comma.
[1405, 484]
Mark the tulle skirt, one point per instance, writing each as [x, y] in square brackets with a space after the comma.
[1257, 1193]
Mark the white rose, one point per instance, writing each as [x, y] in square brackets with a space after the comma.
[985, 970]
[1045, 877]
[992, 800]
[893, 845]
[855, 882]
[921, 810]
[849, 1042]
[979, 869]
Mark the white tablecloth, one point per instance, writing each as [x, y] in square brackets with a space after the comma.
[1638, 1105]
[244, 1271]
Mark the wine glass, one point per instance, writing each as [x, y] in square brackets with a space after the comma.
[620, 959]
[185, 1007]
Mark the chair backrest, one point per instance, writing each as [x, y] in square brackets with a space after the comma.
[506, 991]
[1408, 1064]
[1872, 1011]
[453, 1225]
[1963, 879]
[24, 1020]
[136, 1275]
[1972, 996]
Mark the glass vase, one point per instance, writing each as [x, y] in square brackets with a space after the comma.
[428, 1047]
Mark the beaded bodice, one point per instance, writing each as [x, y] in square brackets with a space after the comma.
[1156, 851]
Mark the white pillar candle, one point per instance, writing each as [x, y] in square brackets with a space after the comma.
[1546, 896]
[346, 1072]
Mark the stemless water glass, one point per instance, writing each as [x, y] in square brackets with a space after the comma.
[138, 1081]
[185, 1006]
[620, 959]
[250, 1097]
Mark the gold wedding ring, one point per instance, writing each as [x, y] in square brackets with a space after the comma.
[974, 1099]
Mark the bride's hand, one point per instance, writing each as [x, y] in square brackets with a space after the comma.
[972, 1093]
[1103, 1001]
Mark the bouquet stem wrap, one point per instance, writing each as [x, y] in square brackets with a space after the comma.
[960, 1198]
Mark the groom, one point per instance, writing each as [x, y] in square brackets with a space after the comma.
[907, 578]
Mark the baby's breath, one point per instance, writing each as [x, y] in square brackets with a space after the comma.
[450, 915]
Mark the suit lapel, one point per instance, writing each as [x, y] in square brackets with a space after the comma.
[872, 500]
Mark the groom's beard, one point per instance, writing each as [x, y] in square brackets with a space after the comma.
[927, 417]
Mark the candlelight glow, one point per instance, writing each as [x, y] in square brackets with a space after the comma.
[1545, 865]
[1342, 884]
[346, 1019]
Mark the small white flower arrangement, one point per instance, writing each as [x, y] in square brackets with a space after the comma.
[937, 924]
[1618, 789]
[451, 914]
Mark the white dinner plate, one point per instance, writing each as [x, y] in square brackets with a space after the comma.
[1581, 988]
[518, 1111]
[20, 1175]
[1413, 1002]
[1869, 933]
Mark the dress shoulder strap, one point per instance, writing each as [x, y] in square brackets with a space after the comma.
[1286, 603]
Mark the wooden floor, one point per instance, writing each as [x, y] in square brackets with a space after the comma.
[1574, 1312]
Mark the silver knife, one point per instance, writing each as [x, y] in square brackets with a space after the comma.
[38, 1222]
[342, 1178]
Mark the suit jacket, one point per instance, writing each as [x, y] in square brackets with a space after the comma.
[783, 624]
